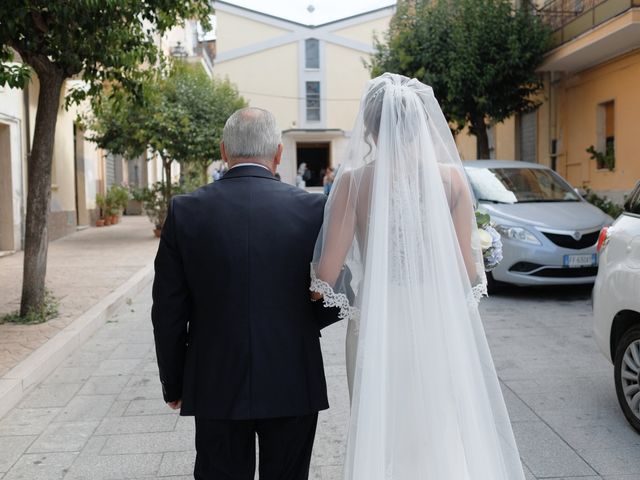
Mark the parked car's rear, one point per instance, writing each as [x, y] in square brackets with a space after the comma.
[616, 304]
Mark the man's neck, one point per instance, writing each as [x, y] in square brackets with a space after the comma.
[249, 164]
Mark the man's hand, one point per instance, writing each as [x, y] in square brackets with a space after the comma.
[175, 405]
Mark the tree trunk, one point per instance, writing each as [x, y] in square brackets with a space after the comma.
[39, 192]
[167, 178]
[482, 140]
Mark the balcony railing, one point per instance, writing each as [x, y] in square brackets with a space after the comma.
[571, 18]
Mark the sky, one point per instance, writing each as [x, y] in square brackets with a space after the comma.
[324, 10]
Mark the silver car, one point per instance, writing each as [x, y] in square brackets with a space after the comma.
[549, 232]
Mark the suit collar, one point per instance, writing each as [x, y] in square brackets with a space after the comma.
[248, 171]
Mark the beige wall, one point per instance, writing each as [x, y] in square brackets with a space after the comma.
[577, 121]
[346, 77]
[234, 31]
[365, 32]
[268, 79]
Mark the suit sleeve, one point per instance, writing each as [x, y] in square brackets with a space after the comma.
[170, 310]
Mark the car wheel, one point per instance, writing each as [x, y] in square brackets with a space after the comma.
[627, 375]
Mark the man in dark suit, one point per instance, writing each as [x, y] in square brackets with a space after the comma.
[237, 337]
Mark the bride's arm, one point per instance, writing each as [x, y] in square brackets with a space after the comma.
[339, 229]
[462, 212]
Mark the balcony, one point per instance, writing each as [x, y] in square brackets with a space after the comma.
[588, 32]
[571, 18]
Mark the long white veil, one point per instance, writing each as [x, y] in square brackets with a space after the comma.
[399, 254]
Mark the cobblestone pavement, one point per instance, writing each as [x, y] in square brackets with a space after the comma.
[100, 415]
[82, 269]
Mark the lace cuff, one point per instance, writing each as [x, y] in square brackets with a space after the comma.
[330, 298]
[479, 291]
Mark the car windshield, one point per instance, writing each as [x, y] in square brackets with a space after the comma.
[519, 185]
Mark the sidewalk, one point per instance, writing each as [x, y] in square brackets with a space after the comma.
[82, 269]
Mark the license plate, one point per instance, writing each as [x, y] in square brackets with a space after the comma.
[577, 261]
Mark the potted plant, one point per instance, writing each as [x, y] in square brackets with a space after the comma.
[101, 203]
[155, 205]
[119, 199]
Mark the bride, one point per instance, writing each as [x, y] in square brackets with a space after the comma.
[399, 254]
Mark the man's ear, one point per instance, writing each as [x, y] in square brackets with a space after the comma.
[277, 158]
[223, 153]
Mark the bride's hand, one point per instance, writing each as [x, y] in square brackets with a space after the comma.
[315, 296]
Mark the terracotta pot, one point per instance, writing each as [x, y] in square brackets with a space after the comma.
[107, 221]
[100, 222]
[114, 219]
[157, 232]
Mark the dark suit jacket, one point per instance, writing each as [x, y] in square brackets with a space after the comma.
[236, 334]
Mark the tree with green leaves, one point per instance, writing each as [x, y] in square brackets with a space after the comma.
[179, 118]
[98, 41]
[480, 57]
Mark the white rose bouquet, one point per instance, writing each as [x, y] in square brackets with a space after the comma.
[490, 241]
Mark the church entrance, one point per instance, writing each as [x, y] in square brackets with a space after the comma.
[316, 156]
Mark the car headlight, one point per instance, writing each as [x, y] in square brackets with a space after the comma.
[518, 233]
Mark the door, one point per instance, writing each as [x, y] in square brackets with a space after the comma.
[316, 157]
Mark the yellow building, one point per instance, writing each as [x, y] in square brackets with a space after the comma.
[80, 170]
[591, 98]
[76, 170]
[310, 76]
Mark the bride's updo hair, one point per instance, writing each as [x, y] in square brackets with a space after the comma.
[407, 109]
[373, 110]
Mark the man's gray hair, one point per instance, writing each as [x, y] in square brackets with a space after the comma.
[251, 133]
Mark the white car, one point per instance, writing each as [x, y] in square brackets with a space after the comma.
[616, 304]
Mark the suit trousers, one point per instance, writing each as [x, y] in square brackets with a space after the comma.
[226, 449]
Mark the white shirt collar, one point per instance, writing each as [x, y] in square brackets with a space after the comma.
[250, 165]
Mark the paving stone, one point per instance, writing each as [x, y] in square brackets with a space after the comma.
[617, 461]
[86, 408]
[146, 407]
[104, 385]
[148, 443]
[185, 424]
[114, 467]
[63, 437]
[12, 448]
[151, 392]
[41, 466]
[546, 454]
[51, 395]
[137, 424]
[130, 351]
[177, 463]
[27, 421]
[70, 374]
[116, 367]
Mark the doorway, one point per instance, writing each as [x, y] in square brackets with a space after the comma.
[6, 190]
[316, 156]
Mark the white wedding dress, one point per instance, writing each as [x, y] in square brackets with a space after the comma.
[399, 255]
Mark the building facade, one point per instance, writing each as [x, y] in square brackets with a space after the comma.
[590, 99]
[76, 169]
[80, 170]
[310, 76]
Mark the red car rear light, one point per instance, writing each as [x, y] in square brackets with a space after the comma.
[602, 239]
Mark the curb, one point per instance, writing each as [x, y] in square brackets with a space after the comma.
[42, 361]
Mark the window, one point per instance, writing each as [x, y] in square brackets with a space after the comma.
[313, 101]
[606, 146]
[311, 53]
[491, 137]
